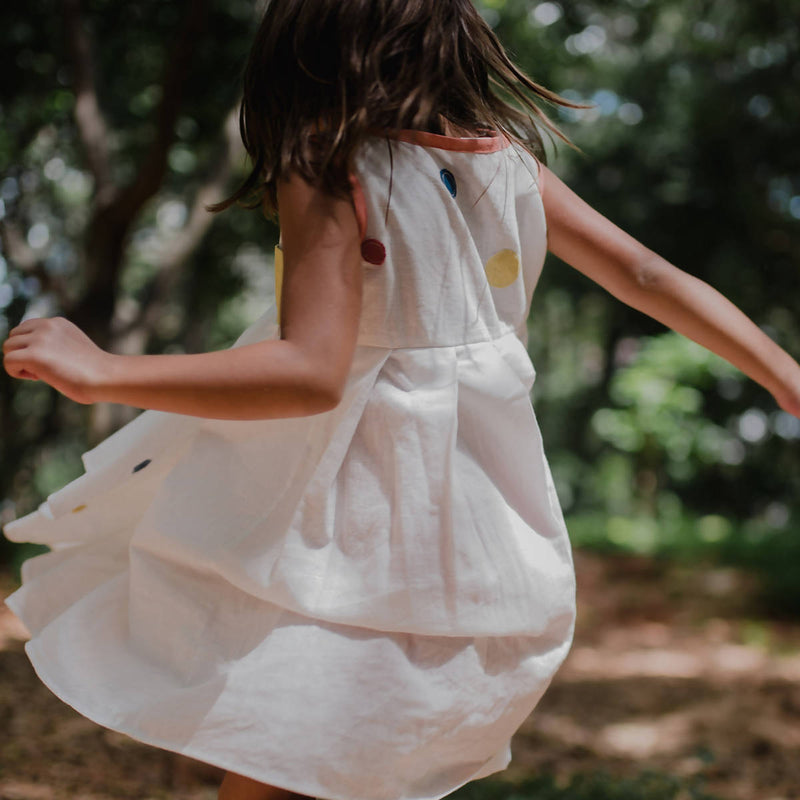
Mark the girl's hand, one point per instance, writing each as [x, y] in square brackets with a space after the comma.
[57, 352]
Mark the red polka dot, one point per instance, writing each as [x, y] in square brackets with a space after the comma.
[373, 252]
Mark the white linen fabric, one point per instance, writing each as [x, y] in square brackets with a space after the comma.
[359, 605]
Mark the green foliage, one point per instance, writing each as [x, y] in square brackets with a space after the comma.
[649, 785]
[658, 411]
[657, 441]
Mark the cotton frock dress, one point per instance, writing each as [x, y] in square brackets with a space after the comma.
[364, 604]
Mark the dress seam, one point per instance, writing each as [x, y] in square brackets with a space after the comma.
[430, 346]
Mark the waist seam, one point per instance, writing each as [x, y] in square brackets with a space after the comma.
[429, 346]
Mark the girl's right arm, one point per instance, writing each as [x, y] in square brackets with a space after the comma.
[633, 273]
[302, 373]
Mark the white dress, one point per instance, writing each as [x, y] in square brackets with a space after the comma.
[359, 605]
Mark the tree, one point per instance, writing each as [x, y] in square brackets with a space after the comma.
[115, 138]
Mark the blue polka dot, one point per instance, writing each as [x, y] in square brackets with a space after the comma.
[449, 180]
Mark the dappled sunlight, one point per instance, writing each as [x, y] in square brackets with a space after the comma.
[625, 654]
[26, 790]
[614, 665]
[644, 739]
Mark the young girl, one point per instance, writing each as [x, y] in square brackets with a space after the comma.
[331, 559]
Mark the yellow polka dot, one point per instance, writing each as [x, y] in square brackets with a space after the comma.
[502, 269]
[278, 278]
[78, 508]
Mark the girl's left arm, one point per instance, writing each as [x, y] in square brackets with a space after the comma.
[639, 277]
[302, 373]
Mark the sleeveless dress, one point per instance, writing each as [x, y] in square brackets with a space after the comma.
[364, 604]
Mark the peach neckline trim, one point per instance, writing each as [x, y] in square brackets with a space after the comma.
[473, 144]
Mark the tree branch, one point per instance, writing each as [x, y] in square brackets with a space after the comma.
[111, 222]
[154, 166]
[89, 118]
[131, 335]
[211, 191]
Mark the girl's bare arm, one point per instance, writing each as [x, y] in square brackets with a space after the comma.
[633, 273]
[302, 373]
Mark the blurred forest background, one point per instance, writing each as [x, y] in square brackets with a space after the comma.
[119, 125]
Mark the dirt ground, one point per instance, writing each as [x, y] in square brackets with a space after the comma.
[671, 669]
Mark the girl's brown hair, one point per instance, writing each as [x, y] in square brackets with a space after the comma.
[323, 75]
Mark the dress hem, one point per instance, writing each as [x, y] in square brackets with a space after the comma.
[199, 754]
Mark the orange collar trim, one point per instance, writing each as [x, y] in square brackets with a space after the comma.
[474, 144]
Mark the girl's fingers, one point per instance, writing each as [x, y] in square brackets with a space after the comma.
[25, 375]
[27, 326]
[17, 367]
[16, 342]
